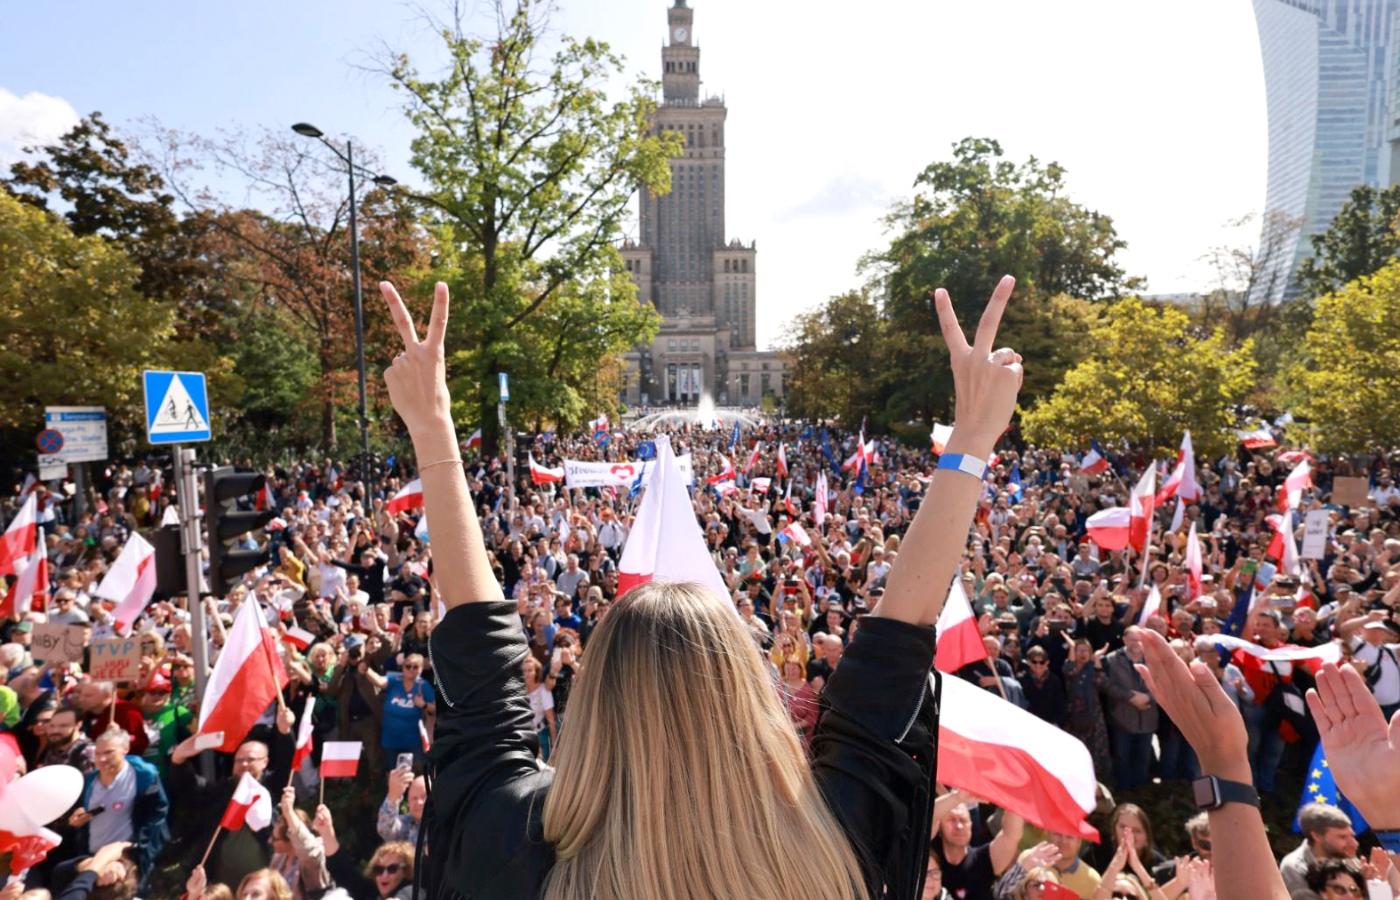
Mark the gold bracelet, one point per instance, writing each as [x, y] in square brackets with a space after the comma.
[441, 462]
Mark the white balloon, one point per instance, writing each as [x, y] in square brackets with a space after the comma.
[38, 798]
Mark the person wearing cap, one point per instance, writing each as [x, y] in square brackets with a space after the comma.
[166, 723]
[1375, 647]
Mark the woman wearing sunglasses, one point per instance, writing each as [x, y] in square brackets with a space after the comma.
[1337, 879]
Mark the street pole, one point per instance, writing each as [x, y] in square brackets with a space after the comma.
[192, 545]
[359, 330]
[508, 442]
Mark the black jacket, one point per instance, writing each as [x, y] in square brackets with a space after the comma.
[873, 758]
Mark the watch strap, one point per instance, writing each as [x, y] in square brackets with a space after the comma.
[965, 463]
[1235, 792]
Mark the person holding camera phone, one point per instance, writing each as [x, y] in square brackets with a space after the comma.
[409, 700]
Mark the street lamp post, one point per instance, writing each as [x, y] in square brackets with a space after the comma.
[348, 157]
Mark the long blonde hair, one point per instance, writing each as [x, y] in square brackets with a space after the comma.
[680, 774]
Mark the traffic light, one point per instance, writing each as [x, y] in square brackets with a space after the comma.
[224, 487]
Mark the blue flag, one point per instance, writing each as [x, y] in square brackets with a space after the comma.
[1321, 787]
[734, 436]
[806, 434]
[1014, 482]
[637, 483]
[1240, 611]
[826, 451]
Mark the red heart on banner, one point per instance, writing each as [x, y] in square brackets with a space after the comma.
[622, 471]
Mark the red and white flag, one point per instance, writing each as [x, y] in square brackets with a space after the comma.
[1094, 462]
[1330, 652]
[19, 540]
[250, 805]
[1293, 457]
[246, 679]
[30, 590]
[473, 442]
[940, 436]
[1140, 506]
[1109, 527]
[819, 500]
[305, 741]
[1150, 607]
[795, 533]
[788, 504]
[544, 474]
[725, 473]
[340, 759]
[410, 496]
[1194, 566]
[665, 542]
[753, 457]
[298, 637]
[1299, 480]
[1006, 756]
[1258, 439]
[424, 737]
[130, 582]
[1182, 482]
[782, 461]
[959, 638]
[760, 485]
[1283, 547]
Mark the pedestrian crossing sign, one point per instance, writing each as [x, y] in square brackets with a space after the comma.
[177, 407]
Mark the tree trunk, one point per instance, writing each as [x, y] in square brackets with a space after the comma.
[328, 423]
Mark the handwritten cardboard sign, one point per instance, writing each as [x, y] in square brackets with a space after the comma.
[53, 643]
[115, 659]
[1350, 491]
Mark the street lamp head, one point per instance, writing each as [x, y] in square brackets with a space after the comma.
[307, 130]
[385, 181]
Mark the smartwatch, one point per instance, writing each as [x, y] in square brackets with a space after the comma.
[1211, 792]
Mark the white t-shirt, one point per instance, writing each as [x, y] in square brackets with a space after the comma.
[541, 701]
[1387, 688]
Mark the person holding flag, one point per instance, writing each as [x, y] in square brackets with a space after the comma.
[861, 809]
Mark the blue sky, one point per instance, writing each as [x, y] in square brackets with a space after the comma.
[1156, 109]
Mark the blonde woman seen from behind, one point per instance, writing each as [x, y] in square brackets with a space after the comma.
[681, 775]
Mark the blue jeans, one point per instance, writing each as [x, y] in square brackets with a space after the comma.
[1178, 759]
[1132, 756]
[1265, 746]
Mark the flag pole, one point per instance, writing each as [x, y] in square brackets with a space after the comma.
[322, 779]
[210, 848]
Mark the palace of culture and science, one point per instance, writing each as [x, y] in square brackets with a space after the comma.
[704, 286]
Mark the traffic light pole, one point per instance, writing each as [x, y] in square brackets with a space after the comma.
[191, 545]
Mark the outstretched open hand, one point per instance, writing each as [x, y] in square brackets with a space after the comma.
[417, 378]
[1363, 749]
[1199, 706]
[985, 382]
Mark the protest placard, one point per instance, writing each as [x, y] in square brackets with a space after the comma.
[53, 643]
[115, 659]
[1315, 535]
[1349, 491]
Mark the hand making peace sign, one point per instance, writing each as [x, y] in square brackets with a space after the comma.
[985, 382]
[417, 378]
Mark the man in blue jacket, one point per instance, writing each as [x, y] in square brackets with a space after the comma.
[122, 801]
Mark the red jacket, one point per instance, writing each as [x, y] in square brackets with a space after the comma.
[129, 719]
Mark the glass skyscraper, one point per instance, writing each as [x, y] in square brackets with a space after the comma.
[1328, 70]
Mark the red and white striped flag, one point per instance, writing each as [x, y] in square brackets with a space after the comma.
[1258, 439]
[30, 590]
[795, 533]
[19, 540]
[246, 679]
[788, 504]
[424, 736]
[819, 501]
[1182, 482]
[305, 742]
[753, 457]
[543, 474]
[130, 582]
[959, 638]
[1150, 607]
[1094, 462]
[940, 436]
[473, 442]
[782, 461]
[298, 637]
[340, 759]
[250, 805]
[1299, 480]
[760, 485]
[410, 496]
[1194, 568]
[1140, 506]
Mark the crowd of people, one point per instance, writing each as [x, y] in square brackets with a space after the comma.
[1067, 628]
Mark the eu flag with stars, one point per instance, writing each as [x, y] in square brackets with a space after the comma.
[1321, 787]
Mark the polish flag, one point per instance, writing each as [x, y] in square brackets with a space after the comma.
[18, 541]
[246, 679]
[424, 736]
[1194, 566]
[1330, 652]
[340, 759]
[1109, 527]
[819, 502]
[130, 582]
[30, 589]
[1150, 607]
[782, 461]
[473, 442]
[250, 805]
[298, 637]
[665, 542]
[410, 496]
[1258, 439]
[304, 729]
[543, 474]
[753, 457]
[1283, 547]
[997, 751]
[788, 504]
[795, 533]
[726, 472]
[959, 638]
[1182, 482]
[940, 437]
[858, 460]
[760, 485]
[1094, 462]
[1299, 480]
[1140, 505]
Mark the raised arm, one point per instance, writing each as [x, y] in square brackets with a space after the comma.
[986, 384]
[417, 382]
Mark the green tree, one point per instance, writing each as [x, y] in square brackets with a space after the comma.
[1363, 237]
[74, 328]
[1345, 385]
[830, 351]
[1146, 380]
[972, 220]
[529, 169]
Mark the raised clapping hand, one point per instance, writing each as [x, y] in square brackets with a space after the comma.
[1363, 750]
[985, 382]
[1199, 706]
[417, 379]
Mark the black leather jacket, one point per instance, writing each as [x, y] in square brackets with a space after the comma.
[873, 758]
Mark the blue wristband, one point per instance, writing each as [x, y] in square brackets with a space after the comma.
[962, 462]
[1390, 840]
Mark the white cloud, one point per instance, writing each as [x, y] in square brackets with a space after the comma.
[32, 120]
